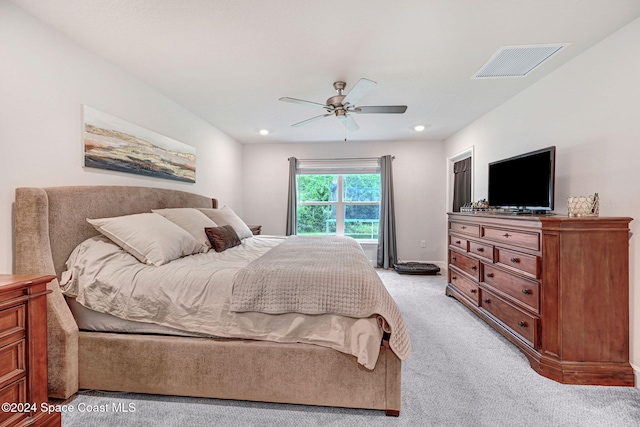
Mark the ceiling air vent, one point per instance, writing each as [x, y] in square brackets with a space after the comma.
[517, 61]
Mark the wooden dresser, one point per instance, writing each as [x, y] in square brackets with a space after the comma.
[23, 351]
[556, 287]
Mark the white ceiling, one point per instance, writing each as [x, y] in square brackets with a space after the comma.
[228, 61]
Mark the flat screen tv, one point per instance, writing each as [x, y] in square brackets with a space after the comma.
[524, 182]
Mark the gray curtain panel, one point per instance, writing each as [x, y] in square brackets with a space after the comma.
[292, 221]
[387, 247]
[461, 183]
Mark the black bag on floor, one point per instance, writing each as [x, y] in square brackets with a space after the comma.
[416, 268]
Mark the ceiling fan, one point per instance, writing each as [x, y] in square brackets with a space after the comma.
[342, 105]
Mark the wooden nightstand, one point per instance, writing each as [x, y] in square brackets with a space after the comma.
[255, 229]
[23, 350]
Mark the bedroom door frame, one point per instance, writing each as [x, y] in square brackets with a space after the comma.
[466, 153]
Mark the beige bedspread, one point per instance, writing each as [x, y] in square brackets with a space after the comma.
[318, 275]
[193, 294]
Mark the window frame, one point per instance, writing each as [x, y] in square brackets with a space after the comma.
[340, 204]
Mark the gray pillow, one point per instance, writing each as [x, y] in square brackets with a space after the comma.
[149, 237]
[226, 216]
[192, 220]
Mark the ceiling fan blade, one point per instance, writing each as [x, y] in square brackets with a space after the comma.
[349, 123]
[303, 102]
[382, 109]
[359, 90]
[312, 119]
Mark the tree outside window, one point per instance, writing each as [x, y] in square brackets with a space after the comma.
[339, 204]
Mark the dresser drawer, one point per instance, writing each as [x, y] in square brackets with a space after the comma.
[463, 228]
[12, 362]
[523, 239]
[465, 263]
[524, 263]
[519, 321]
[12, 324]
[481, 250]
[525, 291]
[13, 393]
[459, 242]
[466, 286]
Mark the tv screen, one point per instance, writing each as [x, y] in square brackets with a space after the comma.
[524, 182]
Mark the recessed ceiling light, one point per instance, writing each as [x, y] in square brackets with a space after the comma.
[419, 128]
[264, 132]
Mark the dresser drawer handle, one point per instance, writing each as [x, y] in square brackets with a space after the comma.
[487, 301]
[454, 278]
[453, 258]
[526, 291]
[522, 324]
[507, 235]
[490, 275]
[458, 242]
[515, 260]
[474, 268]
[473, 291]
[464, 227]
[480, 249]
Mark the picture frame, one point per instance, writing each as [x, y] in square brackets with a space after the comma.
[114, 144]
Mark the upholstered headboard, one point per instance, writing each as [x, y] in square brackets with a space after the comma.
[49, 224]
[56, 217]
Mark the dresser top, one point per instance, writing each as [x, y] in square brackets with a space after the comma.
[531, 217]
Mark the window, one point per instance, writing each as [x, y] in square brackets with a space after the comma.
[343, 204]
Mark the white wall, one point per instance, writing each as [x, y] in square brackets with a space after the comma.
[589, 109]
[419, 182]
[44, 80]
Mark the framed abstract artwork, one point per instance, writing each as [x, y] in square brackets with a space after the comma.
[117, 145]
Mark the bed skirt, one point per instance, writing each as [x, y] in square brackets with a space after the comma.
[268, 372]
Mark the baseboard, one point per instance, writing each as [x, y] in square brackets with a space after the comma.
[636, 374]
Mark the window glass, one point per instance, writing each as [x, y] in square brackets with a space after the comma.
[361, 221]
[317, 220]
[362, 188]
[317, 188]
[339, 204]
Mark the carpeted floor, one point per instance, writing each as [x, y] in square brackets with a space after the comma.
[460, 373]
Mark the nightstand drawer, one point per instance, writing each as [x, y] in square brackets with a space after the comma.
[525, 291]
[13, 393]
[12, 324]
[520, 322]
[12, 362]
[465, 263]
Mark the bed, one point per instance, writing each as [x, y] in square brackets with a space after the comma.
[51, 222]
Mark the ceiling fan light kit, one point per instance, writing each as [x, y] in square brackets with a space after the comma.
[342, 106]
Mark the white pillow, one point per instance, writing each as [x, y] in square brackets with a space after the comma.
[191, 220]
[149, 237]
[226, 216]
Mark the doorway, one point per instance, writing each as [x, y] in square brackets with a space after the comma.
[460, 180]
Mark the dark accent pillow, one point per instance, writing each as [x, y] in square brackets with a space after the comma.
[222, 238]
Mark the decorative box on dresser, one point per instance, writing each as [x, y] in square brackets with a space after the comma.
[556, 287]
[23, 351]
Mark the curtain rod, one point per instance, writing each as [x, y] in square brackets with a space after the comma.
[347, 158]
